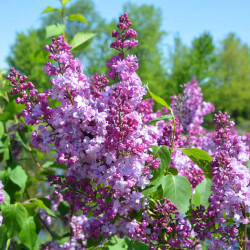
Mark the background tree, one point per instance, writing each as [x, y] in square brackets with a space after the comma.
[28, 57]
[233, 77]
[179, 67]
[203, 58]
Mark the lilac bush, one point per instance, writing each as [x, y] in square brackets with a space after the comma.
[131, 173]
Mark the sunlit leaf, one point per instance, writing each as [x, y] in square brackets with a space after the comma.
[54, 30]
[202, 193]
[201, 158]
[162, 153]
[1, 130]
[81, 39]
[14, 217]
[17, 175]
[160, 118]
[50, 9]
[28, 234]
[178, 189]
[158, 99]
[77, 17]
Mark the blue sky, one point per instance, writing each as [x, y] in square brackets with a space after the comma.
[188, 18]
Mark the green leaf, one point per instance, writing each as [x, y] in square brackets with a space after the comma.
[38, 153]
[116, 244]
[14, 217]
[48, 164]
[77, 17]
[21, 140]
[65, 1]
[14, 108]
[81, 39]
[158, 99]
[31, 208]
[248, 164]
[154, 185]
[28, 235]
[158, 194]
[64, 239]
[43, 206]
[5, 116]
[201, 158]
[1, 130]
[6, 198]
[178, 190]
[125, 243]
[161, 118]
[50, 9]
[54, 30]
[6, 154]
[135, 245]
[202, 193]
[3, 237]
[63, 208]
[163, 154]
[52, 164]
[46, 172]
[91, 244]
[46, 201]
[172, 171]
[17, 175]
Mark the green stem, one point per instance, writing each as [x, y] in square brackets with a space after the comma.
[39, 217]
[124, 217]
[63, 18]
[245, 237]
[70, 97]
[172, 145]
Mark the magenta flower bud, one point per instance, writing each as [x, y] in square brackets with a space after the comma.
[18, 100]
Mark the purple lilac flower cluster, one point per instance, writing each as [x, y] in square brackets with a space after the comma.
[120, 67]
[123, 35]
[230, 186]
[190, 109]
[99, 136]
[2, 196]
[25, 89]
